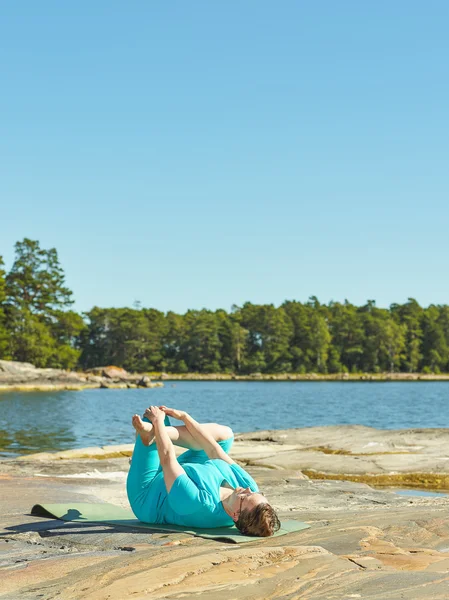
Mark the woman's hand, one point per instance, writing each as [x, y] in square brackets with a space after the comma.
[154, 414]
[174, 412]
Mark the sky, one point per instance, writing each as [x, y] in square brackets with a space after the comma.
[190, 155]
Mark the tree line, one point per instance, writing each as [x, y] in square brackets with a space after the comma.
[38, 326]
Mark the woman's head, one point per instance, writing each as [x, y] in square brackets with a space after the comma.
[253, 515]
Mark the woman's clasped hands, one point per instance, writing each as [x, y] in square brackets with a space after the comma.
[154, 414]
[157, 413]
[174, 412]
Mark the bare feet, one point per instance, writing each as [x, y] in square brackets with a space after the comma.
[145, 430]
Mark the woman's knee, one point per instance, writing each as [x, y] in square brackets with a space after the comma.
[224, 433]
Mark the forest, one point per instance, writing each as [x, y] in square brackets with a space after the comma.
[37, 325]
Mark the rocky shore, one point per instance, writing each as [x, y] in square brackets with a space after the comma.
[19, 376]
[364, 542]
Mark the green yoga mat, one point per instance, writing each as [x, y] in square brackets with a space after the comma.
[115, 515]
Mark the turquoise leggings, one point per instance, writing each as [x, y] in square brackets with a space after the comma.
[145, 465]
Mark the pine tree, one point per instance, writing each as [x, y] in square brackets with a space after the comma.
[4, 334]
[36, 280]
[35, 298]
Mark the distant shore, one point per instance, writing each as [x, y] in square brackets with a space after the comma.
[158, 379]
[300, 377]
[25, 377]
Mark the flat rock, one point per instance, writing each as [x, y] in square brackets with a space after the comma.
[363, 542]
[353, 450]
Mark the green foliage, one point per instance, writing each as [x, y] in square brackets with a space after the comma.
[268, 338]
[232, 337]
[347, 333]
[37, 326]
[125, 337]
[435, 340]
[201, 344]
[65, 328]
[31, 340]
[36, 280]
[411, 316]
[4, 334]
[293, 338]
[40, 331]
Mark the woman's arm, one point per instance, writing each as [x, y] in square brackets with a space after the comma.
[209, 444]
[169, 463]
[201, 436]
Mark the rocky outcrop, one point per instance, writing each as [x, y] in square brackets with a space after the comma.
[144, 381]
[110, 372]
[363, 542]
[26, 377]
[408, 457]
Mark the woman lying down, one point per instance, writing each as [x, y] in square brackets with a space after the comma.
[203, 487]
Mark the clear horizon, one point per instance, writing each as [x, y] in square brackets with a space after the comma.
[207, 155]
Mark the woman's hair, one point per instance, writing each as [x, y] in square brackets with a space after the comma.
[260, 521]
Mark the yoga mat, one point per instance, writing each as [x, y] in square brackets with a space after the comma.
[109, 514]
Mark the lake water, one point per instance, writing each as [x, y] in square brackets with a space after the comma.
[34, 422]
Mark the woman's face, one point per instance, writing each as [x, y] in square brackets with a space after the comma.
[245, 499]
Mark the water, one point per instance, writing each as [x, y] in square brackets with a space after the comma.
[420, 493]
[35, 422]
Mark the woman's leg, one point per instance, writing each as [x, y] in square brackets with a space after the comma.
[144, 465]
[181, 437]
[222, 434]
[145, 459]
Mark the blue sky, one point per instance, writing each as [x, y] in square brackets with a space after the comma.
[201, 154]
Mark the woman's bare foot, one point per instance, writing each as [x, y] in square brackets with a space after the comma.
[145, 430]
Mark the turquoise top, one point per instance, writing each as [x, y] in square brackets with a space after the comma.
[194, 499]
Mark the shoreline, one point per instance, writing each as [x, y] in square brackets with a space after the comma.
[73, 387]
[401, 458]
[158, 380]
[301, 377]
[25, 377]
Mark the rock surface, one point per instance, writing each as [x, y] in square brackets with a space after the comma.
[413, 457]
[363, 543]
[26, 377]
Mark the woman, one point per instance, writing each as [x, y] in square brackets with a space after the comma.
[204, 487]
